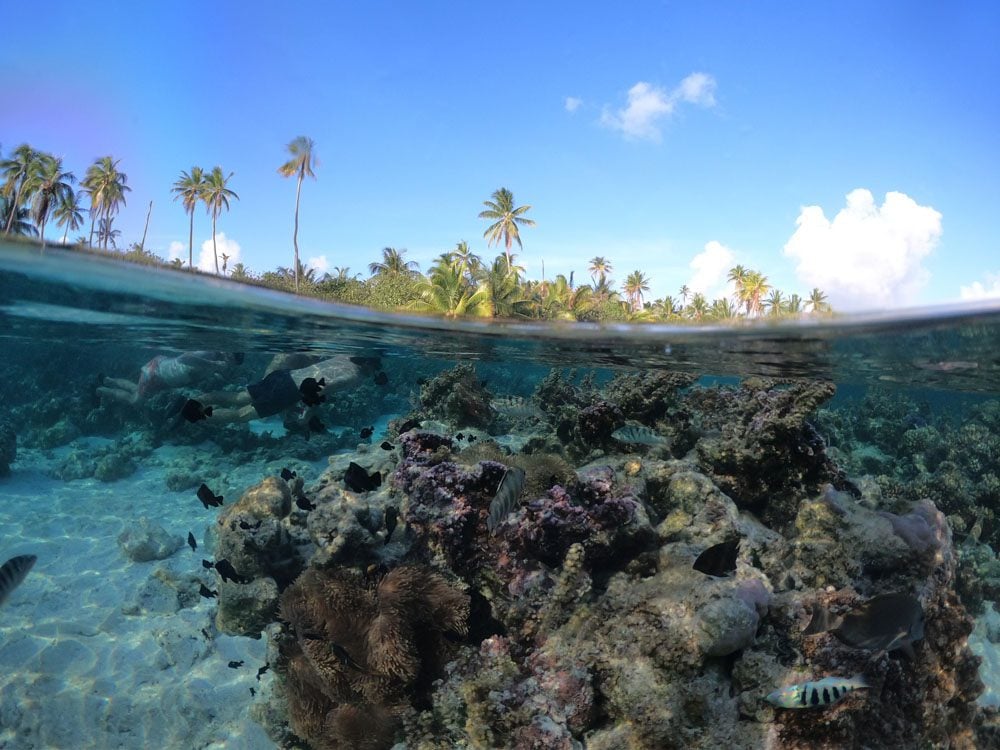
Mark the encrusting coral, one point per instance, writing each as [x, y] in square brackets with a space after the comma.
[359, 653]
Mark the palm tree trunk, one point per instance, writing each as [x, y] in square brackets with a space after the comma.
[66, 233]
[13, 212]
[215, 249]
[142, 245]
[191, 242]
[295, 233]
[90, 242]
[41, 232]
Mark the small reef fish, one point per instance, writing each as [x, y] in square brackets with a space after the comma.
[391, 516]
[510, 489]
[195, 411]
[302, 503]
[638, 435]
[883, 623]
[287, 474]
[357, 479]
[262, 670]
[206, 592]
[13, 572]
[311, 390]
[207, 564]
[460, 436]
[345, 658]
[515, 406]
[409, 424]
[719, 560]
[191, 542]
[366, 432]
[381, 379]
[235, 664]
[227, 572]
[386, 445]
[818, 694]
[315, 425]
[208, 498]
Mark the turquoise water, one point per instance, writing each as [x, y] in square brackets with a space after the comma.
[852, 459]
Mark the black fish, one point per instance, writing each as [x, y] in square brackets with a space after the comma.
[191, 542]
[311, 390]
[207, 564]
[408, 425]
[13, 572]
[315, 425]
[391, 516]
[357, 479]
[252, 692]
[386, 445]
[718, 560]
[345, 658]
[460, 436]
[884, 623]
[510, 489]
[381, 379]
[472, 438]
[227, 572]
[194, 411]
[261, 671]
[206, 592]
[302, 502]
[235, 664]
[287, 475]
[206, 634]
[366, 432]
[247, 526]
[208, 498]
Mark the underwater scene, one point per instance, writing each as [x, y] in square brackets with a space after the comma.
[233, 518]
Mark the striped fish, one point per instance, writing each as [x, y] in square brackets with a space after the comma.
[13, 572]
[638, 435]
[817, 694]
[510, 489]
[515, 406]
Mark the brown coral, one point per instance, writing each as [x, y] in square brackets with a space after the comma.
[361, 653]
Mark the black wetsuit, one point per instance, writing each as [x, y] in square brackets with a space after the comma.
[275, 393]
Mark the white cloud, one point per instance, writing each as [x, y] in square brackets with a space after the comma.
[206, 261]
[320, 263]
[979, 290]
[177, 250]
[711, 267]
[868, 256]
[573, 103]
[648, 105]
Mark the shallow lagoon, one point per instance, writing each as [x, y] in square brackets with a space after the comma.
[580, 622]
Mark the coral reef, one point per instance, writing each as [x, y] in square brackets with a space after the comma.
[457, 397]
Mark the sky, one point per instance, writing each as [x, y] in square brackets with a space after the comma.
[853, 146]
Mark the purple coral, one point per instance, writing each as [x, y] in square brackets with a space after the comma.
[924, 529]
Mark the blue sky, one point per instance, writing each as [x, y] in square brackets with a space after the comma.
[659, 136]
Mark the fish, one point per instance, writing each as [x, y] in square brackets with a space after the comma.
[311, 390]
[515, 406]
[638, 435]
[302, 503]
[386, 445]
[191, 542]
[345, 658]
[460, 436]
[252, 692]
[409, 424]
[381, 379]
[287, 474]
[391, 516]
[206, 592]
[227, 572]
[509, 490]
[357, 479]
[247, 526]
[315, 425]
[207, 564]
[719, 560]
[366, 432]
[884, 623]
[235, 664]
[472, 438]
[13, 572]
[262, 670]
[195, 411]
[818, 694]
[208, 498]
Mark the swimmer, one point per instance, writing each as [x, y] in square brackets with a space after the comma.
[162, 373]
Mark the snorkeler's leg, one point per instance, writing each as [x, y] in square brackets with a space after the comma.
[121, 384]
[225, 398]
[232, 415]
[118, 395]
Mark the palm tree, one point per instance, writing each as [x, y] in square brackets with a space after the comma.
[468, 261]
[17, 218]
[447, 291]
[737, 275]
[723, 309]
[301, 164]
[600, 267]
[699, 307]
[68, 214]
[17, 172]
[793, 305]
[755, 286]
[684, 293]
[775, 303]
[106, 235]
[505, 219]
[342, 273]
[188, 188]
[635, 284]
[817, 302]
[216, 195]
[52, 187]
[392, 264]
[106, 187]
[502, 286]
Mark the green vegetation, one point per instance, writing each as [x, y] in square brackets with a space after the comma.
[35, 188]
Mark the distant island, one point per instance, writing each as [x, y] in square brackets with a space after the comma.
[36, 190]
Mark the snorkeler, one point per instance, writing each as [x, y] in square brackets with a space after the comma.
[162, 373]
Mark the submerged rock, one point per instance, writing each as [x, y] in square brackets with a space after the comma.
[144, 541]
